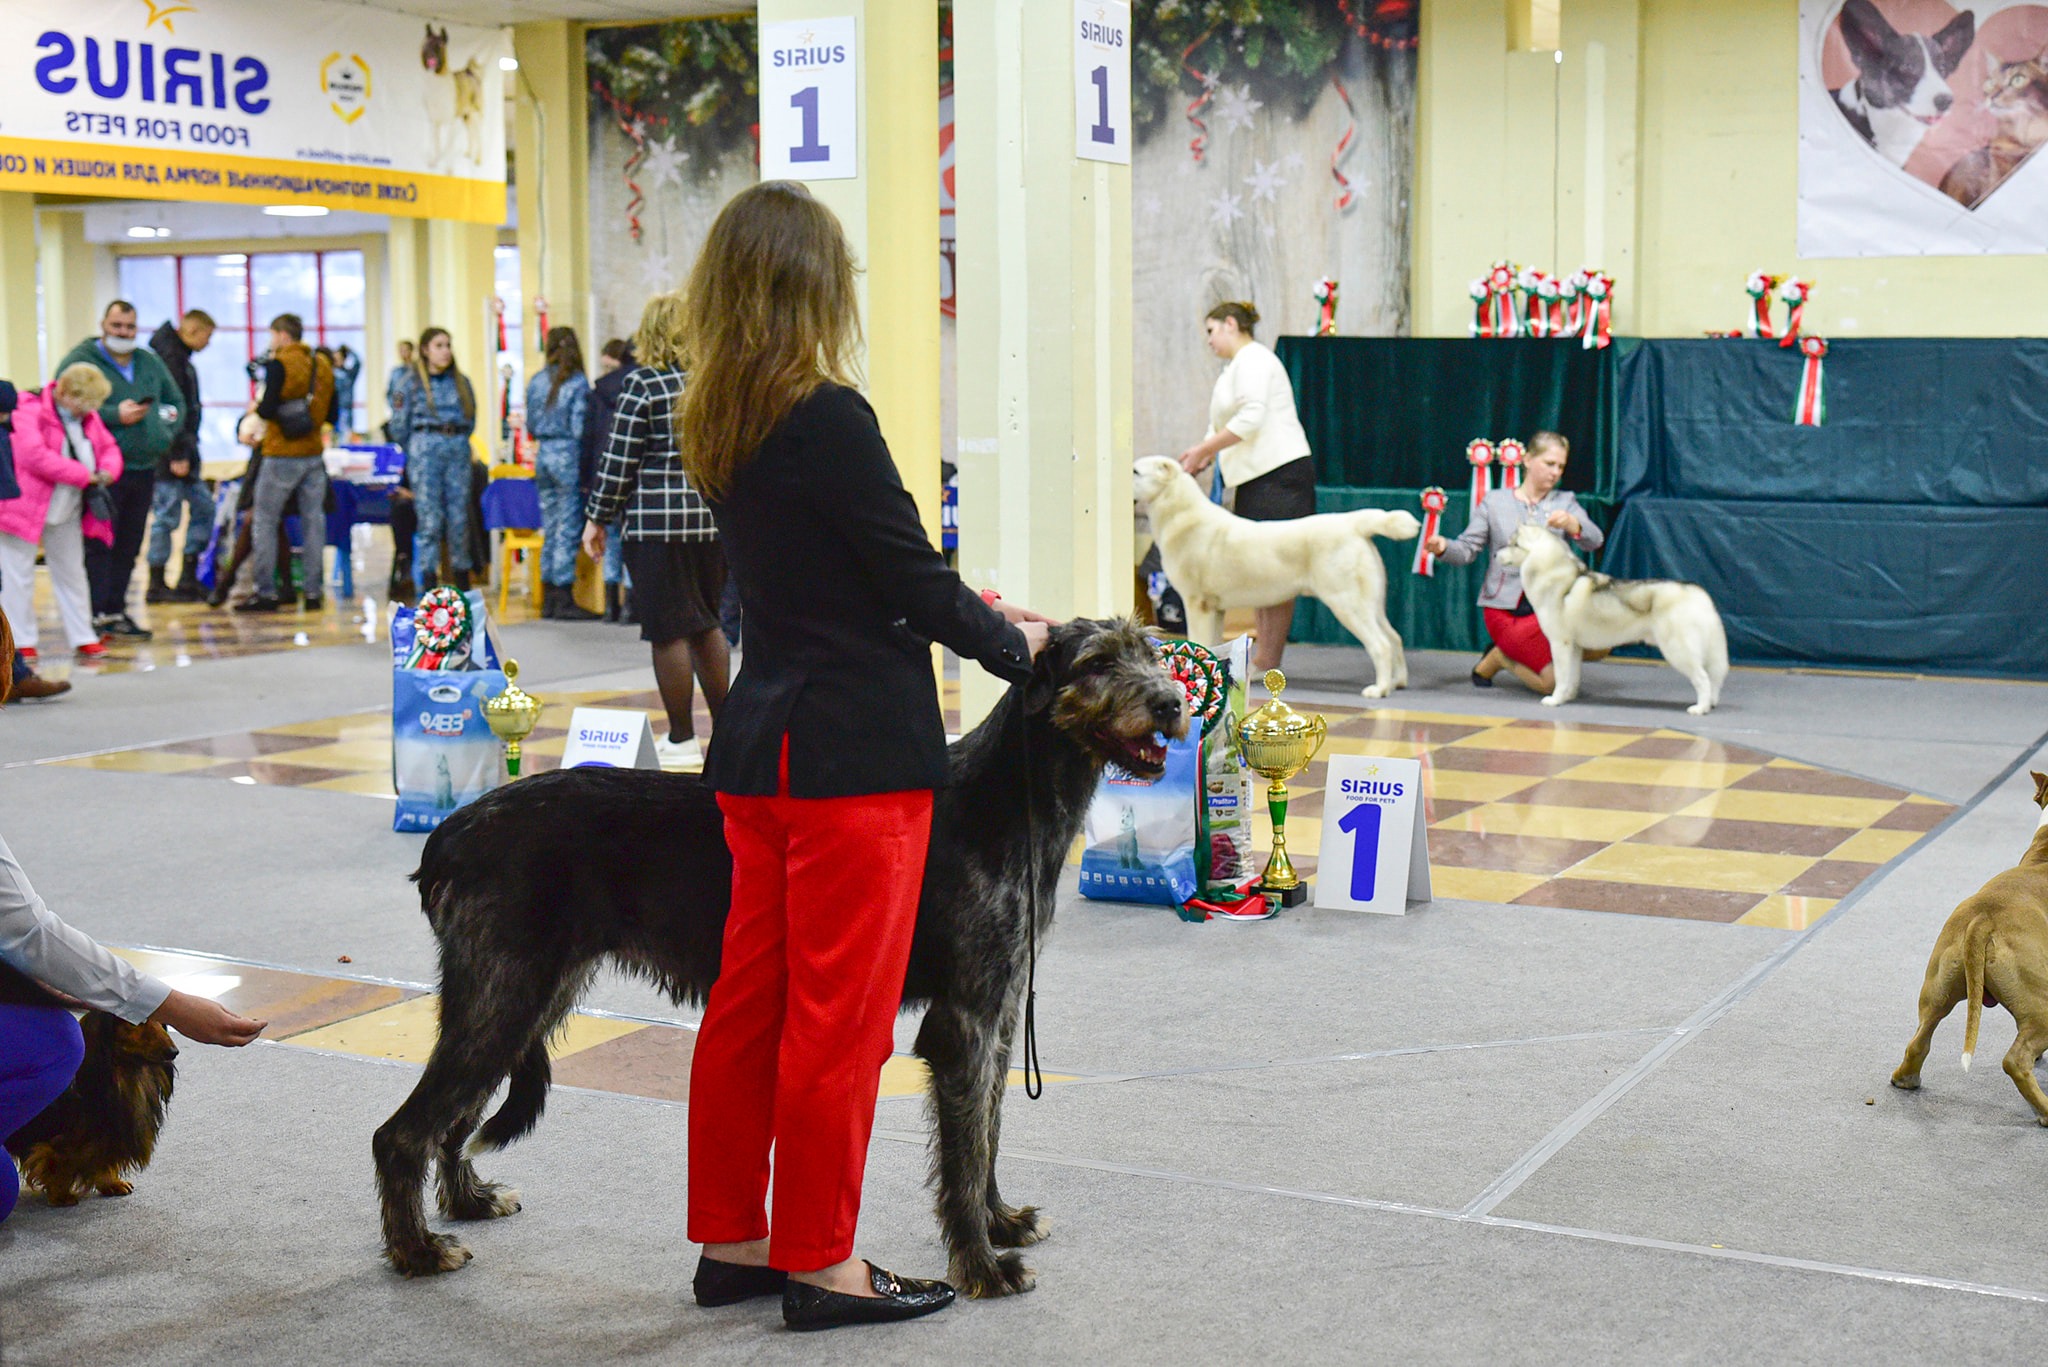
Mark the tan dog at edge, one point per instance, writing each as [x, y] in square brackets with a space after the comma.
[1994, 951]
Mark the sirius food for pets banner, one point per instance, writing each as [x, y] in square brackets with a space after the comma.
[444, 668]
[245, 102]
[1916, 118]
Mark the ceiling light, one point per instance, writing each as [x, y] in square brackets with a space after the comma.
[508, 64]
[296, 210]
[145, 230]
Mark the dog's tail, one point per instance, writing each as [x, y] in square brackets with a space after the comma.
[525, 1099]
[1396, 524]
[1976, 944]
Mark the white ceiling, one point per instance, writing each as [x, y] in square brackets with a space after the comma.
[495, 12]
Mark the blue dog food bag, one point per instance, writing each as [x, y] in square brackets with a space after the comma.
[443, 753]
[1142, 833]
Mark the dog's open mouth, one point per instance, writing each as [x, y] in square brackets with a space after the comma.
[1144, 756]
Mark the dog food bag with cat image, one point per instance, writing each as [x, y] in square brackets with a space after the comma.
[443, 751]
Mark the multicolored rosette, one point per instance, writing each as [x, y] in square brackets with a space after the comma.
[1482, 307]
[1500, 288]
[1526, 281]
[441, 629]
[1598, 331]
[1326, 305]
[1510, 454]
[1480, 454]
[1811, 409]
[1570, 306]
[1761, 287]
[1795, 293]
[1546, 319]
[1201, 677]
[1434, 501]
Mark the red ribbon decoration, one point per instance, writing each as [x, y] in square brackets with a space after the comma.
[1434, 501]
[1326, 301]
[1480, 453]
[540, 313]
[1198, 145]
[1599, 330]
[1510, 454]
[1500, 282]
[1761, 287]
[1482, 308]
[634, 124]
[1346, 196]
[1811, 408]
[1795, 293]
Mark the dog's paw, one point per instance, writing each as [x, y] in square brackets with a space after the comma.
[1378, 690]
[1906, 1082]
[1018, 1228]
[985, 1278]
[114, 1186]
[1699, 709]
[485, 1201]
[437, 1254]
[63, 1199]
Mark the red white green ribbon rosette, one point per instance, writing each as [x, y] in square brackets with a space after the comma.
[1434, 501]
[441, 630]
[1795, 293]
[1500, 287]
[1480, 454]
[1546, 318]
[1200, 676]
[1326, 306]
[1811, 410]
[1482, 307]
[1598, 331]
[1510, 454]
[1761, 287]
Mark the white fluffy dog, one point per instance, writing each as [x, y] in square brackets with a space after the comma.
[1580, 611]
[1218, 560]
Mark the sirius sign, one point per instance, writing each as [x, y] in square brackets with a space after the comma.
[250, 101]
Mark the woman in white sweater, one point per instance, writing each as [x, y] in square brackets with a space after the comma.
[40, 1046]
[1256, 437]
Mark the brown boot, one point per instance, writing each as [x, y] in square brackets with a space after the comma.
[36, 686]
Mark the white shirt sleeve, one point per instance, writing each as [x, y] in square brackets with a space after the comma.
[34, 941]
[1251, 381]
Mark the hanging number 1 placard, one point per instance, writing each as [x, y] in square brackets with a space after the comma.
[810, 105]
[1102, 81]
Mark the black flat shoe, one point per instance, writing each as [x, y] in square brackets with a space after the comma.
[1480, 680]
[896, 1298]
[719, 1283]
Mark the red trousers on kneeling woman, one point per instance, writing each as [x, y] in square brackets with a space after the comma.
[802, 1017]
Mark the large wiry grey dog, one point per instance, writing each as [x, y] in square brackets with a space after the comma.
[532, 887]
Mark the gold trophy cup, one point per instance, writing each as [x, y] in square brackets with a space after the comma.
[512, 715]
[1277, 743]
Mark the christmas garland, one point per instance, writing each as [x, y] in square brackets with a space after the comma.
[697, 78]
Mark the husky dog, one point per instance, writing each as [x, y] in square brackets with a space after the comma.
[1901, 88]
[1219, 560]
[455, 103]
[1580, 611]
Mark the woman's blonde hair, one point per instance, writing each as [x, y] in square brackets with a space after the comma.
[1545, 440]
[769, 316]
[84, 383]
[659, 340]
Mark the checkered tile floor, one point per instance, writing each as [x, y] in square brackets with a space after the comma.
[1535, 813]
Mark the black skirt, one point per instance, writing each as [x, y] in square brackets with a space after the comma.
[1279, 495]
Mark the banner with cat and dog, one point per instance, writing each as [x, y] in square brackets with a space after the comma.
[246, 102]
[1918, 125]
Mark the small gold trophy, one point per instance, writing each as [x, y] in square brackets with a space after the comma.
[1277, 743]
[512, 715]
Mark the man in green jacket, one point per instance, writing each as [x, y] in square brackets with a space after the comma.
[145, 414]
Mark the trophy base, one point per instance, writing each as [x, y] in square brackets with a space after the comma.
[1284, 897]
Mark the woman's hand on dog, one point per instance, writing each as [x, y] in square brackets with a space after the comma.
[1036, 626]
[208, 1022]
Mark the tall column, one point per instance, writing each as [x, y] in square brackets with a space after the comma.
[461, 283]
[1044, 291]
[552, 152]
[72, 300]
[19, 358]
[891, 215]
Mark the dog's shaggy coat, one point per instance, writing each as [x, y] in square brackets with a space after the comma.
[532, 887]
[1580, 610]
[1218, 560]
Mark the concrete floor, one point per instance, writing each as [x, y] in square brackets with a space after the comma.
[1476, 1133]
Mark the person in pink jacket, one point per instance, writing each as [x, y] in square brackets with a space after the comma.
[61, 449]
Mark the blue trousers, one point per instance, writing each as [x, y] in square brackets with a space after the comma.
[438, 467]
[40, 1049]
[615, 554]
[557, 469]
[170, 496]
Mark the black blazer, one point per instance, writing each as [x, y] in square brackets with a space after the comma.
[842, 595]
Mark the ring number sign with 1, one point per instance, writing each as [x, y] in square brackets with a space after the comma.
[810, 111]
[1102, 81]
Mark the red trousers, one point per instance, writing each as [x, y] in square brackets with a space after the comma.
[802, 1017]
[1521, 639]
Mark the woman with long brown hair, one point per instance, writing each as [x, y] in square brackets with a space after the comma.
[557, 406]
[824, 761]
[433, 417]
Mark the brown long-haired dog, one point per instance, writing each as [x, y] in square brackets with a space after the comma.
[106, 1122]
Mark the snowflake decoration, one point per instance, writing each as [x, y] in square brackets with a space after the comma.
[1224, 210]
[1296, 162]
[664, 164]
[1235, 107]
[1266, 182]
[1270, 231]
[1150, 207]
[1209, 79]
[658, 272]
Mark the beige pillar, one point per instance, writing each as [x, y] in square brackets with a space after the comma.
[19, 358]
[461, 283]
[72, 294]
[407, 306]
[1044, 289]
[552, 153]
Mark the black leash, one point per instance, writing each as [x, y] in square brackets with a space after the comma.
[1034, 1073]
